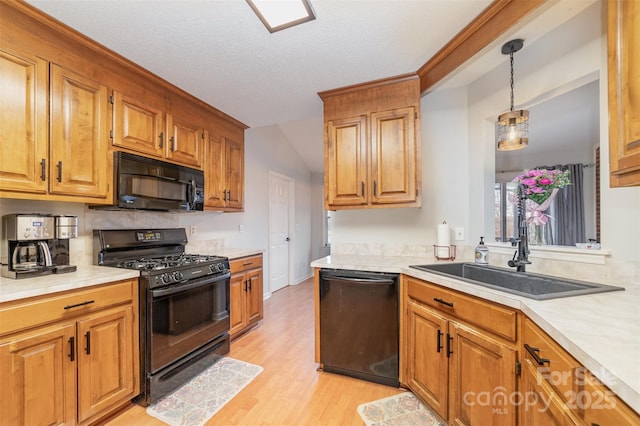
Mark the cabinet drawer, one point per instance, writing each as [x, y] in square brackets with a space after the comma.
[557, 367]
[36, 311]
[246, 263]
[494, 318]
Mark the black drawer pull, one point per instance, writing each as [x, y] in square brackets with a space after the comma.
[72, 348]
[439, 342]
[87, 348]
[536, 357]
[444, 302]
[88, 302]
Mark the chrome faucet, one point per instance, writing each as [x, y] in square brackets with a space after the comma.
[521, 256]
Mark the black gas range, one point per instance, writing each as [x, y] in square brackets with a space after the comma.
[184, 304]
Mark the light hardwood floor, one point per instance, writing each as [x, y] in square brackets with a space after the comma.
[289, 391]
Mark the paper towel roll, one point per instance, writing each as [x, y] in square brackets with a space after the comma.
[443, 240]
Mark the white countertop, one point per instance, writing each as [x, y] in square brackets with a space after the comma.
[85, 276]
[601, 331]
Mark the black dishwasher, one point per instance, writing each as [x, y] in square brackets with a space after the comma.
[359, 324]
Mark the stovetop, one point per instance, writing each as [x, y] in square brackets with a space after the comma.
[159, 255]
[168, 261]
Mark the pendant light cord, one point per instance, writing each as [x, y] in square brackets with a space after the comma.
[511, 56]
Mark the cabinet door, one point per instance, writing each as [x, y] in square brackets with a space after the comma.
[214, 171]
[38, 372]
[254, 296]
[393, 156]
[78, 153]
[482, 379]
[539, 405]
[185, 144]
[23, 122]
[237, 296]
[623, 39]
[426, 356]
[234, 168]
[346, 162]
[137, 127]
[105, 361]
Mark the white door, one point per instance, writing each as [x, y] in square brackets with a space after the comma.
[279, 238]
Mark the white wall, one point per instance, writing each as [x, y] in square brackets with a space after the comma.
[459, 152]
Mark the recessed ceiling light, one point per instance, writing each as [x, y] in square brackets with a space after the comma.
[277, 15]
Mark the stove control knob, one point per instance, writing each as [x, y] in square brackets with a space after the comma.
[178, 276]
[166, 279]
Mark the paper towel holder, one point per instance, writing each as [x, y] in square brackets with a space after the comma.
[451, 252]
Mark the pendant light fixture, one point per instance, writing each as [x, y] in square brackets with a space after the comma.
[512, 128]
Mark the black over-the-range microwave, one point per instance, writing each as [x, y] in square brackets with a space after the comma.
[148, 184]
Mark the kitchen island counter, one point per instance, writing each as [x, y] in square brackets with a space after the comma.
[601, 331]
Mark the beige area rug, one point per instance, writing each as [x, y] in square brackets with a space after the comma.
[199, 399]
[402, 409]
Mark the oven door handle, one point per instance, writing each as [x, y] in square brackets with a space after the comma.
[205, 281]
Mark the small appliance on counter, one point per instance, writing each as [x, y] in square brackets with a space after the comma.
[34, 244]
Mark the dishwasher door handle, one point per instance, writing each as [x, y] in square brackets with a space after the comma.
[360, 280]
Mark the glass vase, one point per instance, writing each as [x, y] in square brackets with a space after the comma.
[537, 235]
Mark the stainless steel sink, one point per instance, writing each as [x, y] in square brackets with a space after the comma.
[533, 286]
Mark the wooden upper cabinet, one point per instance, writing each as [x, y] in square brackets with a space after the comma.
[623, 39]
[234, 157]
[393, 164]
[372, 144]
[185, 142]
[138, 127]
[61, 153]
[214, 171]
[224, 173]
[23, 122]
[79, 132]
[345, 162]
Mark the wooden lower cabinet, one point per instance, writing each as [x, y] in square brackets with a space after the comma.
[464, 373]
[246, 294]
[556, 386]
[38, 377]
[71, 371]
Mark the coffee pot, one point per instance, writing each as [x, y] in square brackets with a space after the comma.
[25, 237]
[36, 244]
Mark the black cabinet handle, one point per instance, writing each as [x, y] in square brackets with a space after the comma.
[88, 302]
[59, 171]
[444, 302]
[363, 188]
[449, 340]
[43, 169]
[161, 139]
[246, 286]
[173, 143]
[87, 337]
[72, 348]
[439, 342]
[536, 357]
[374, 188]
[229, 197]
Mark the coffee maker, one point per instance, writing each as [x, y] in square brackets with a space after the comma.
[36, 244]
